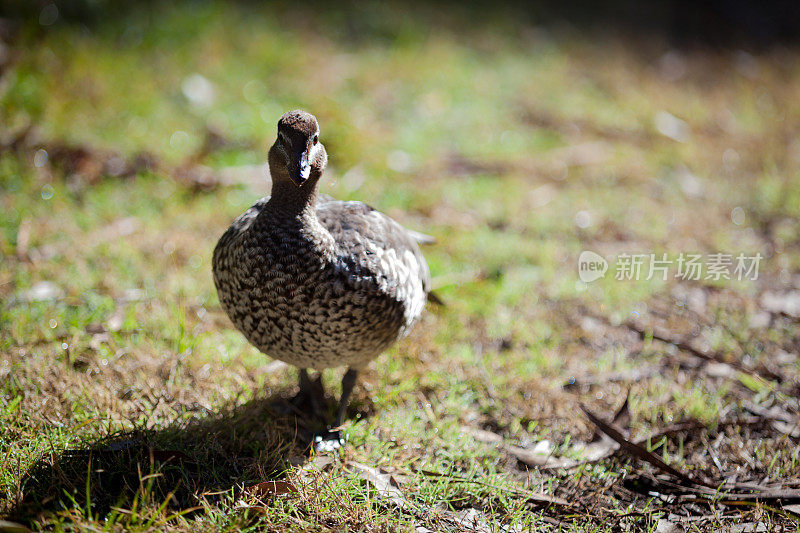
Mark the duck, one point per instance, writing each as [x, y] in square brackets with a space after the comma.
[317, 282]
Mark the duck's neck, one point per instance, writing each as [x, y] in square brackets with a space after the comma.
[289, 200]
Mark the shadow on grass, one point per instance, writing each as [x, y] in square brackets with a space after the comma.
[184, 463]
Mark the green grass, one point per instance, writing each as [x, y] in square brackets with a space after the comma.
[516, 149]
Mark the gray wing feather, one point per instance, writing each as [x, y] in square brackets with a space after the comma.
[368, 236]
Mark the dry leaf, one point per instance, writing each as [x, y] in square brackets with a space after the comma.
[473, 520]
[749, 528]
[12, 527]
[786, 303]
[535, 457]
[481, 435]
[267, 488]
[668, 526]
[532, 458]
[385, 485]
[795, 508]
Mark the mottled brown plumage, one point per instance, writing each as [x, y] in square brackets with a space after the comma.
[313, 281]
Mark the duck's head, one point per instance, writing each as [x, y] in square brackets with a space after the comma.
[297, 152]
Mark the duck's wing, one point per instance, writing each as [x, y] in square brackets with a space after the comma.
[420, 238]
[372, 243]
[236, 230]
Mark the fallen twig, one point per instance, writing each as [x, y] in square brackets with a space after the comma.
[640, 451]
[699, 489]
[660, 334]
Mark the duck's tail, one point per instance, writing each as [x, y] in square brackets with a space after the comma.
[421, 238]
[435, 299]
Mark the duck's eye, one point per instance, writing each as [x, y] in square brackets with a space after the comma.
[316, 139]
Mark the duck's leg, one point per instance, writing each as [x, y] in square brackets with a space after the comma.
[333, 439]
[305, 382]
[348, 381]
[311, 394]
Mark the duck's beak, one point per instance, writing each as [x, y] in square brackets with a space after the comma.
[300, 168]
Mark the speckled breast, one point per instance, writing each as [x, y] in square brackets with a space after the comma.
[293, 299]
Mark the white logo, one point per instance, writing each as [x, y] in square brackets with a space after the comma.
[591, 266]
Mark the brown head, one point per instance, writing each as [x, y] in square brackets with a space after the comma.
[297, 153]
